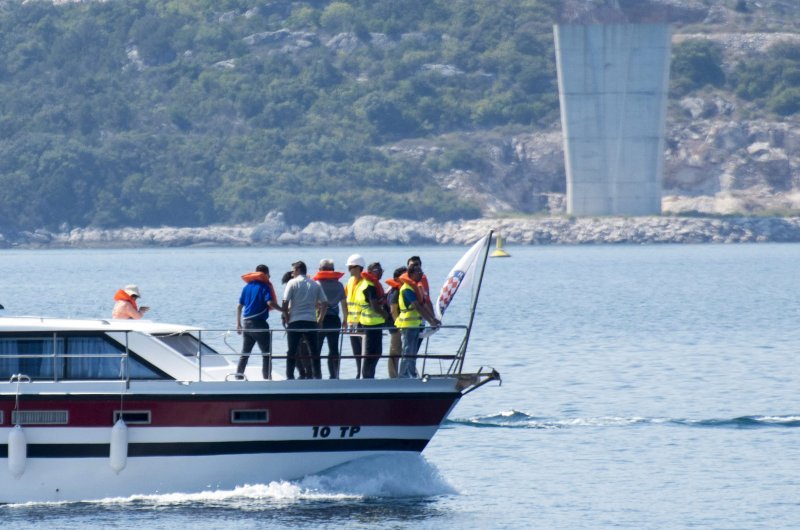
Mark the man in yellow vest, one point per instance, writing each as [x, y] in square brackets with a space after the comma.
[373, 317]
[355, 266]
[412, 311]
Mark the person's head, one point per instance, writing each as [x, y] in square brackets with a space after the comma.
[288, 275]
[355, 264]
[375, 269]
[262, 268]
[399, 271]
[415, 272]
[133, 291]
[326, 265]
[299, 268]
[414, 259]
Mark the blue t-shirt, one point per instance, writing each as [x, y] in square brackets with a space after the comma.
[409, 297]
[255, 297]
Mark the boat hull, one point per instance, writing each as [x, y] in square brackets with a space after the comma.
[194, 441]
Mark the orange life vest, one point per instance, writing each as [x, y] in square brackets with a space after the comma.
[122, 295]
[263, 278]
[328, 275]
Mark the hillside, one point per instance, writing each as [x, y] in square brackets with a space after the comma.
[190, 113]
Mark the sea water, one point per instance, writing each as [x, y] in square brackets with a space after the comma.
[643, 387]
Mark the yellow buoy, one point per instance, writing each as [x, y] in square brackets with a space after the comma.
[498, 251]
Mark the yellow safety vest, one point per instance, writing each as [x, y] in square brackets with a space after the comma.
[353, 307]
[409, 318]
[368, 316]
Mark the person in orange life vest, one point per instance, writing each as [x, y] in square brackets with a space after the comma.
[424, 288]
[411, 318]
[395, 344]
[355, 266]
[257, 298]
[328, 279]
[125, 306]
[373, 317]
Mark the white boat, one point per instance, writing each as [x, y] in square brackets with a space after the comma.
[94, 409]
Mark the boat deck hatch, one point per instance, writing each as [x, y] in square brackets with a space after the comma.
[40, 417]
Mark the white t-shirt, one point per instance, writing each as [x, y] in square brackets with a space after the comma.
[303, 296]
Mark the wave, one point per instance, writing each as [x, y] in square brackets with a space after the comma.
[514, 419]
[391, 476]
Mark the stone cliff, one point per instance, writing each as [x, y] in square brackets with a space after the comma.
[723, 155]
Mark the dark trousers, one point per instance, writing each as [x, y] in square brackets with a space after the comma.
[331, 324]
[355, 343]
[373, 349]
[250, 338]
[305, 358]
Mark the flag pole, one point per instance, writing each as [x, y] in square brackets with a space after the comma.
[475, 303]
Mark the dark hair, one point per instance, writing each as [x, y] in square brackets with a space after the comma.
[262, 268]
[414, 259]
[286, 277]
[399, 272]
[374, 265]
[413, 269]
[301, 266]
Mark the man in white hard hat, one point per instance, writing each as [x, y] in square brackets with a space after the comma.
[355, 266]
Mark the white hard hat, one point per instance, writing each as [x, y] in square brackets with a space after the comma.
[356, 259]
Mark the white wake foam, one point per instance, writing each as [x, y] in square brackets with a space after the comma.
[408, 475]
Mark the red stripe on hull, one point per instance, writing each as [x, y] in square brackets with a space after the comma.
[204, 411]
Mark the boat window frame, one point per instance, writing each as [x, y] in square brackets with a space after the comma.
[60, 373]
[120, 414]
[238, 421]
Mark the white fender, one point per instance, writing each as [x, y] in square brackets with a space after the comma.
[118, 454]
[17, 451]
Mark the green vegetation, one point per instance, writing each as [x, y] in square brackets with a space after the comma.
[191, 112]
[696, 64]
[194, 112]
[773, 80]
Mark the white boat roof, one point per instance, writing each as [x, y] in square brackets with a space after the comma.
[36, 323]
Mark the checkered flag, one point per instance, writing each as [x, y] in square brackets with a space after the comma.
[461, 275]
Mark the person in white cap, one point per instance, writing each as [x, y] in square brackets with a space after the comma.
[355, 266]
[125, 304]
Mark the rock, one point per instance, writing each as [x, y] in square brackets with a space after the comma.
[273, 226]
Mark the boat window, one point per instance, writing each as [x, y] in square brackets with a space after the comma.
[250, 416]
[69, 356]
[187, 345]
[133, 417]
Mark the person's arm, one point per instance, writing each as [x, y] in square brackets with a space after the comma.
[133, 313]
[239, 319]
[322, 308]
[322, 304]
[427, 314]
[273, 299]
[374, 303]
[343, 303]
[287, 292]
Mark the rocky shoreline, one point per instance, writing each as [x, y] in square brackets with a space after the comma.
[371, 230]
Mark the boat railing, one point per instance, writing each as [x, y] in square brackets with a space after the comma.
[439, 350]
[213, 354]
